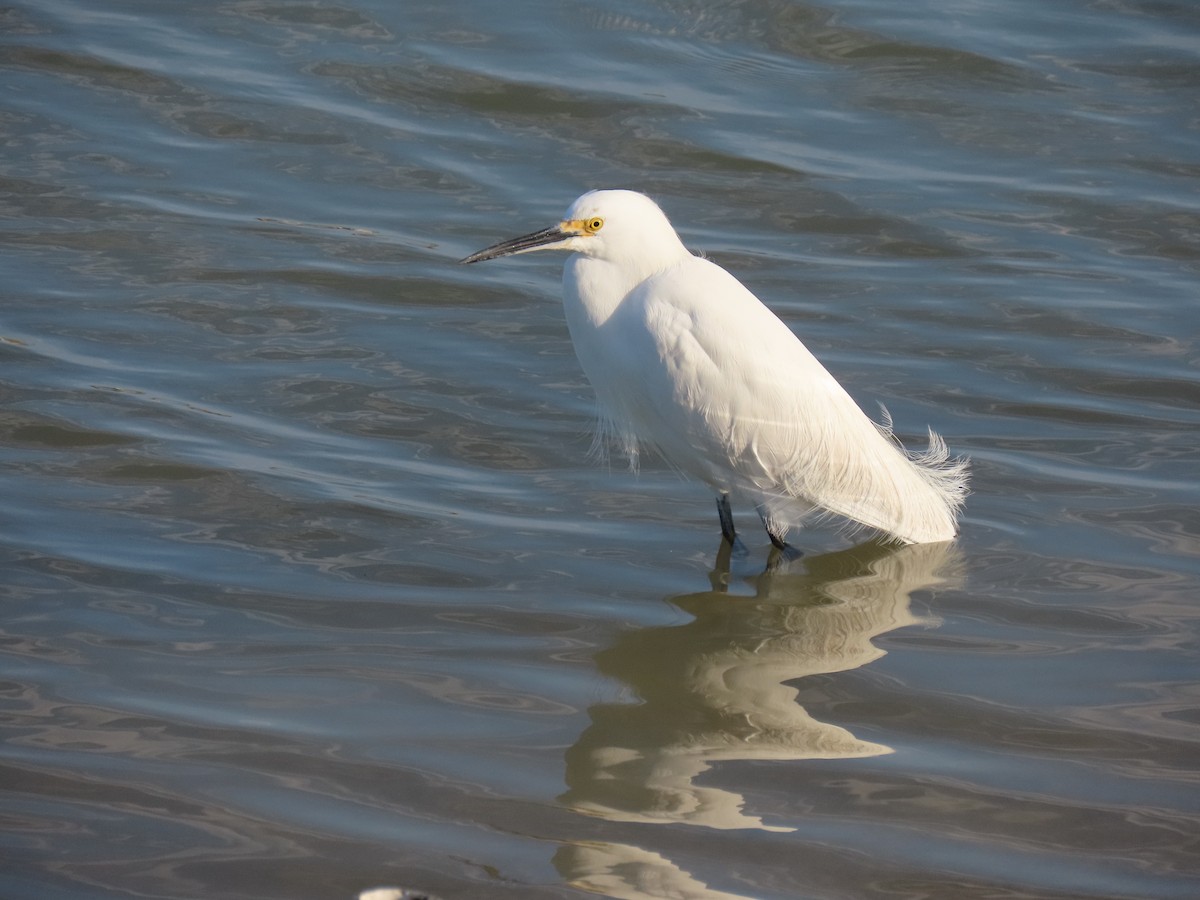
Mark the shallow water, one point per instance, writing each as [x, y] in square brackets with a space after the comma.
[310, 586]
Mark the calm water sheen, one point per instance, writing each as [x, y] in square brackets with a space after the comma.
[308, 584]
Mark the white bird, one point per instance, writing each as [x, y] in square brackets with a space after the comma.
[685, 359]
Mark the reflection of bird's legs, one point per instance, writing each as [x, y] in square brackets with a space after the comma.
[726, 515]
[779, 557]
[720, 575]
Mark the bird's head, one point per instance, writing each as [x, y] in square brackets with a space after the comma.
[619, 226]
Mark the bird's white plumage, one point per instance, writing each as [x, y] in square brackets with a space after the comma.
[683, 357]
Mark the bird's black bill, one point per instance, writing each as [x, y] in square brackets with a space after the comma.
[522, 244]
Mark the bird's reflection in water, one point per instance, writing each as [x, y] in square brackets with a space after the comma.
[631, 873]
[714, 688]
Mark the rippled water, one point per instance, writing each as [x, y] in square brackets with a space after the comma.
[309, 585]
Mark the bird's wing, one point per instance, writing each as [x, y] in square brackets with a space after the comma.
[728, 393]
[722, 369]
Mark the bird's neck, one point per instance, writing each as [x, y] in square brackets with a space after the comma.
[593, 288]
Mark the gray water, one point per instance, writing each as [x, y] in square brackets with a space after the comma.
[310, 586]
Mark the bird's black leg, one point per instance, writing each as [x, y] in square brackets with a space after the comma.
[777, 540]
[726, 515]
[781, 552]
[776, 536]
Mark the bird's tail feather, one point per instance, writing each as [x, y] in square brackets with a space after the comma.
[912, 497]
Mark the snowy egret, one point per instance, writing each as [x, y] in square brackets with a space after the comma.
[685, 359]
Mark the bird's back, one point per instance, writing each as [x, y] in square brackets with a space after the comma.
[711, 377]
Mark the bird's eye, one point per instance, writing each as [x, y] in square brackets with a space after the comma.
[593, 225]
